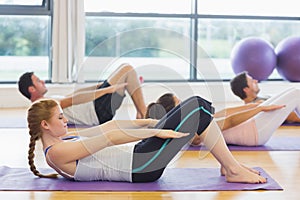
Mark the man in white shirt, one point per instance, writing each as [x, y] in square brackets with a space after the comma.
[247, 89]
[95, 104]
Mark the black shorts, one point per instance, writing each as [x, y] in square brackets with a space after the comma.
[107, 105]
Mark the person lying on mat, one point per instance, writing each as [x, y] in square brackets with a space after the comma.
[91, 105]
[128, 150]
[247, 127]
[247, 89]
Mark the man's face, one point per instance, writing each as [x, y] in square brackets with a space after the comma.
[39, 85]
[252, 85]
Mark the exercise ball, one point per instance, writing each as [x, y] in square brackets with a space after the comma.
[288, 58]
[254, 55]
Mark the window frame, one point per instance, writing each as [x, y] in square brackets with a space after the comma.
[46, 9]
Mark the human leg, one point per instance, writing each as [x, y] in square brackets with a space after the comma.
[152, 155]
[145, 168]
[126, 74]
[268, 122]
[233, 171]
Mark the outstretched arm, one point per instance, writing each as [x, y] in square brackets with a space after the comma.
[240, 117]
[129, 124]
[115, 124]
[65, 152]
[89, 88]
[232, 110]
[89, 95]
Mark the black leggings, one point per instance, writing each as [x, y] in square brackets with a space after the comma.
[152, 155]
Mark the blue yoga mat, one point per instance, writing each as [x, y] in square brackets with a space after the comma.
[173, 179]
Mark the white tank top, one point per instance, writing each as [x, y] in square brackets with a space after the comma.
[110, 164]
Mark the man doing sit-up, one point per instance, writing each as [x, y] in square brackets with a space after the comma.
[95, 104]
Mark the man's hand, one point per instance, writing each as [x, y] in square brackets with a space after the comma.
[271, 107]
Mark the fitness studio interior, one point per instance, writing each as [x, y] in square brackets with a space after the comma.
[104, 61]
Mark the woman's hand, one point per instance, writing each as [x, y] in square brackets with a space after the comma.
[165, 133]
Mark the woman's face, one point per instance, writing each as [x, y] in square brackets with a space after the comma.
[57, 124]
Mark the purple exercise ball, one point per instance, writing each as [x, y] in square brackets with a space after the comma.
[288, 58]
[254, 55]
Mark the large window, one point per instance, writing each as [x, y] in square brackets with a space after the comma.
[218, 36]
[147, 34]
[180, 40]
[169, 40]
[25, 38]
[152, 45]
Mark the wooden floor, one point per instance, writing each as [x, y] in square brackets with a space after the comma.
[283, 166]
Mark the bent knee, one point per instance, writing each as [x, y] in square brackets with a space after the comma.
[125, 68]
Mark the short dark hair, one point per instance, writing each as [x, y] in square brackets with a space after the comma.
[238, 83]
[24, 83]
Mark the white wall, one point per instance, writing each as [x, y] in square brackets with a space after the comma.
[215, 91]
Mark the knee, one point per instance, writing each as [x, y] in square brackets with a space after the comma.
[293, 92]
[206, 104]
[126, 68]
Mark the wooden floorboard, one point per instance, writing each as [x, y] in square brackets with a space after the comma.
[283, 166]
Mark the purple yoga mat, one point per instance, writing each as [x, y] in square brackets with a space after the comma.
[291, 124]
[173, 179]
[280, 143]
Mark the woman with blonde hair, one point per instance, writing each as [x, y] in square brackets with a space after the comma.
[127, 150]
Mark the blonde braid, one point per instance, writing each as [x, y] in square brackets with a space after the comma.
[31, 160]
[36, 113]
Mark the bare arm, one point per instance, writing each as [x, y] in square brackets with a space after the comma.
[87, 96]
[65, 152]
[232, 110]
[116, 124]
[240, 117]
[84, 89]
[129, 124]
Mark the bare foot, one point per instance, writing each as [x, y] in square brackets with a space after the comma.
[223, 171]
[243, 175]
[250, 169]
